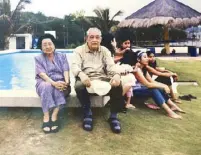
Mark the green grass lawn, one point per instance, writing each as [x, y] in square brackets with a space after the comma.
[144, 131]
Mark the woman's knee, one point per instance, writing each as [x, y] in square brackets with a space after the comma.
[46, 87]
[155, 91]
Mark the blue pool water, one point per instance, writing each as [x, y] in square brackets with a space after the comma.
[17, 70]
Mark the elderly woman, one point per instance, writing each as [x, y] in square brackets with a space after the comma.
[52, 79]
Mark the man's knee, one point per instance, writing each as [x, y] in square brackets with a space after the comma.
[79, 86]
[116, 91]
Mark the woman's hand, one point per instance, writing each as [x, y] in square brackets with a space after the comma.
[124, 50]
[60, 85]
[167, 89]
[114, 43]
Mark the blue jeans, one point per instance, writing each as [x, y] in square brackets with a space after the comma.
[158, 95]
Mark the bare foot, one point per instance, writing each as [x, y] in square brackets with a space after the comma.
[177, 109]
[174, 115]
[46, 118]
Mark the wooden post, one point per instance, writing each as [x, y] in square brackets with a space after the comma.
[166, 38]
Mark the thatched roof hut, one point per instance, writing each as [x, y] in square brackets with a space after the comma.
[165, 12]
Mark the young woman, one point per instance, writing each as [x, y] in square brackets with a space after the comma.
[145, 86]
[164, 75]
[123, 46]
[127, 80]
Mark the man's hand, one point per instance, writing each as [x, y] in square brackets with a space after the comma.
[116, 80]
[87, 82]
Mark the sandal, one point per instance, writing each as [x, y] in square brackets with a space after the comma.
[152, 106]
[185, 97]
[191, 96]
[87, 123]
[130, 106]
[114, 125]
[55, 124]
[46, 125]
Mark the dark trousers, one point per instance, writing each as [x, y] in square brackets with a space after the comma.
[164, 80]
[116, 98]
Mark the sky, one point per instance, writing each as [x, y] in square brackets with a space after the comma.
[59, 8]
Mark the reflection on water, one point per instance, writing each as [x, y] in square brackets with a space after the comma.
[17, 71]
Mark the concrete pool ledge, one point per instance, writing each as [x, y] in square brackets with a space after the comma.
[9, 51]
[30, 50]
[29, 98]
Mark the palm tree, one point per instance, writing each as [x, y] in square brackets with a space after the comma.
[10, 18]
[103, 20]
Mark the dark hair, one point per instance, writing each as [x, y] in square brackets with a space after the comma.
[149, 52]
[46, 36]
[106, 41]
[139, 56]
[129, 57]
[122, 35]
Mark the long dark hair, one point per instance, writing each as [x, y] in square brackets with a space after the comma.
[122, 35]
[149, 52]
[129, 57]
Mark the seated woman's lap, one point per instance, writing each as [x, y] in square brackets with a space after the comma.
[158, 95]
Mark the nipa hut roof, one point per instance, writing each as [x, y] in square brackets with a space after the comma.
[163, 12]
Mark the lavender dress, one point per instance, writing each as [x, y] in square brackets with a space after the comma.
[49, 95]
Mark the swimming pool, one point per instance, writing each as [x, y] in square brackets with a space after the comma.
[17, 70]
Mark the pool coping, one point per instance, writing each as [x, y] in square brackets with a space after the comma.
[31, 50]
[29, 98]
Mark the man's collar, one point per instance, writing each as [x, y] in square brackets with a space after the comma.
[88, 50]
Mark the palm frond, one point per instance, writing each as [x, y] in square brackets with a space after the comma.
[98, 12]
[19, 7]
[119, 13]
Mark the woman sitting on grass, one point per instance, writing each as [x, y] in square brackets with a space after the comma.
[164, 75]
[146, 87]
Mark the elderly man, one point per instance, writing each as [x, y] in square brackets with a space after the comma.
[91, 62]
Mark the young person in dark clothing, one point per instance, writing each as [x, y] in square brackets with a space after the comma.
[164, 76]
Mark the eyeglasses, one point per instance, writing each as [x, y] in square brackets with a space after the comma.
[96, 37]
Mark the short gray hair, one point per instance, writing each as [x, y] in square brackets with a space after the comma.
[94, 29]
